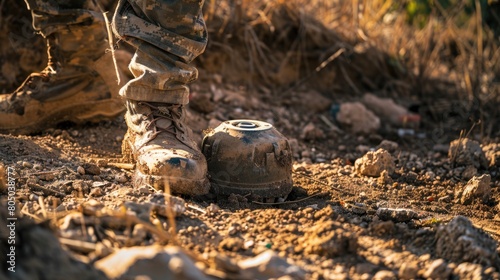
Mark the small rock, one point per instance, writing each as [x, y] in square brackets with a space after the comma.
[47, 176]
[438, 269]
[388, 145]
[373, 163]
[149, 262]
[469, 172]
[143, 190]
[269, 265]
[459, 241]
[102, 162]
[384, 178]
[396, 214]
[359, 208]
[408, 270]
[91, 169]
[464, 152]
[477, 187]
[95, 192]
[312, 132]
[492, 152]
[468, 270]
[363, 268]
[139, 233]
[38, 167]
[233, 244]
[80, 170]
[27, 164]
[121, 178]
[356, 117]
[384, 275]
[212, 208]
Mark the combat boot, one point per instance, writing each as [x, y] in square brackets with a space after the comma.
[162, 147]
[79, 83]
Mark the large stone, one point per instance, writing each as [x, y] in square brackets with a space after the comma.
[464, 152]
[150, 262]
[373, 163]
[459, 241]
[477, 187]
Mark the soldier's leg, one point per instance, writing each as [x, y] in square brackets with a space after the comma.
[167, 36]
[79, 82]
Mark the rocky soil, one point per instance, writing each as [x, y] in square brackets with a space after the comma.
[382, 205]
[385, 185]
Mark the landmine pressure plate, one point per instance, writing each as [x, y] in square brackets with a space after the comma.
[248, 157]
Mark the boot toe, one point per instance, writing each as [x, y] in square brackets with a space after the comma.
[179, 171]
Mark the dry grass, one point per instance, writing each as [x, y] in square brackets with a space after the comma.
[453, 69]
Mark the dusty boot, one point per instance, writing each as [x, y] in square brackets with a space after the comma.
[161, 145]
[79, 83]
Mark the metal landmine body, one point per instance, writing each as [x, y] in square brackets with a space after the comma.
[248, 157]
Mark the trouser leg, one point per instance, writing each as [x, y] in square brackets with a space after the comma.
[167, 36]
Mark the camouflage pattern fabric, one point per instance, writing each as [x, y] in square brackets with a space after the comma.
[167, 36]
[50, 16]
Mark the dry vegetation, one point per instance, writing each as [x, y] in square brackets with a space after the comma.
[449, 64]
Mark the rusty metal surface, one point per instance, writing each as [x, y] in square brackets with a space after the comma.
[248, 157]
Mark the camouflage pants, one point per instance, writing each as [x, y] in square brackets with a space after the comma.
[167, 36]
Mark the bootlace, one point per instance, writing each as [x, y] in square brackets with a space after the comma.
[170, 112]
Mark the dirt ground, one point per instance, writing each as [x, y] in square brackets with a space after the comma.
[73, 188]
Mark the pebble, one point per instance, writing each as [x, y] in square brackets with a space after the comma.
[464, 152]
[37, 166]
[359, 208]
[121, 178]
[388, 145]
[91, 169]
[80, 170]
[477, 187]
[438, 269]
[27, 164]
[96, 192]
[408, 270]
[143, 190]
[373, 163]
[384, 275]
[139, 233]
[270, 265]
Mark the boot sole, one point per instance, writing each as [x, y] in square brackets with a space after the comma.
[94, 111]
[174, 185]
